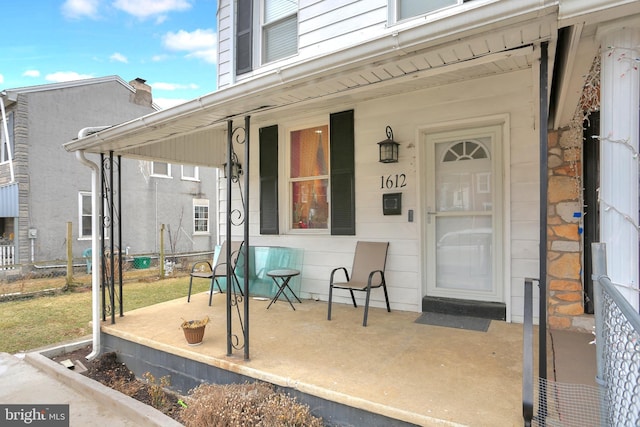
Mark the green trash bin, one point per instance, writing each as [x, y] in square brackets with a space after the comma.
[141, 262]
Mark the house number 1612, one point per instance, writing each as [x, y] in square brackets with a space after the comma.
[393, 181]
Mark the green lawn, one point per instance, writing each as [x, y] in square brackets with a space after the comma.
[38, 322]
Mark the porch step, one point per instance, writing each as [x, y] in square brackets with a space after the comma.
[482, 309]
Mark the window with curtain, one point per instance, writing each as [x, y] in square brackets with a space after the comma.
[321, 180]
[309, 178]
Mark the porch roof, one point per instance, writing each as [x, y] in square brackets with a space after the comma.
[491, 37]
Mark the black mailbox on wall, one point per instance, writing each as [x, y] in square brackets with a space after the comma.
[392, 204]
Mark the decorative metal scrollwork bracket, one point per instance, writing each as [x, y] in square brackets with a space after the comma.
[236, 217]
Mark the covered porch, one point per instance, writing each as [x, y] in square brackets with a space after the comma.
[393, 372]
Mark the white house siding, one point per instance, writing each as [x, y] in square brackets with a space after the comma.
[323, 26]
[510, 97]
[327, 26]
[225, 45]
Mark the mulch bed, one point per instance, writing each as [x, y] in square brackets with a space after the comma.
[222, 405]
[107, 370]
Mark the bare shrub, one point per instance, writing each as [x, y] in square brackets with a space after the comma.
[157, 389]
[235, 405]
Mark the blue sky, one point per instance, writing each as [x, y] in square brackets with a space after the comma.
[169, 43]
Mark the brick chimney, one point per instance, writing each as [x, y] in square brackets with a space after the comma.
[142, 95]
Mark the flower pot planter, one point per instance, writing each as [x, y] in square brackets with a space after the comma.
[194, 335]
[194, 330]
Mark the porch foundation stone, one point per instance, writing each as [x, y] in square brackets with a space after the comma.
[562, 188]
[566, 231]
[567, 266]
[566, 211]
[572, 309]
[559, 322]
[568, 296]
[564, 285]
[560, 246]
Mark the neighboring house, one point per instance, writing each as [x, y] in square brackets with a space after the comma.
[42, 187]
[469, 90]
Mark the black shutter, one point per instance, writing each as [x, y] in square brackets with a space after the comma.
[343, 191]
[244, 36]
[269, 180]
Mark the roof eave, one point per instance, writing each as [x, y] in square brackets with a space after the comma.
[484, 16]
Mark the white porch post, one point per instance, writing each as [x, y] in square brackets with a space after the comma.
[619, 180]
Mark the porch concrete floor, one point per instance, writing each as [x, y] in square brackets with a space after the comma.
[426, 375]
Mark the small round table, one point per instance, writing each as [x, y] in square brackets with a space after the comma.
[281, 278]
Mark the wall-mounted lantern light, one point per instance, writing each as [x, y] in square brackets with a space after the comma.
[388, 148]
[236, 168]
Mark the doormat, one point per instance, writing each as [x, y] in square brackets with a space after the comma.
[454, 321]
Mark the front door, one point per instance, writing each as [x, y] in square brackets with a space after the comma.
[463, 206]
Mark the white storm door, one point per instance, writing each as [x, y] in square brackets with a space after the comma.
[463, 214]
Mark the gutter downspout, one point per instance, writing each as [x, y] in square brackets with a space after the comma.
[95, 280]
[544, 191]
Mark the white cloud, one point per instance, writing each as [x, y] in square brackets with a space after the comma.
[75, 9]
[158, 58]
[66, 76]
[199, 43]
[210, 55]
[184, 40]
[31, 73]
[168, 102]
[1, 78]
[118, 57]
[145, 8]
[173, 86]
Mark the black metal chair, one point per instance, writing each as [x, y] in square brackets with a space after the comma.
[367, 272]
[205, 270]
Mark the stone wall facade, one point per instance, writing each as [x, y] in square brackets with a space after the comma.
[565, 308]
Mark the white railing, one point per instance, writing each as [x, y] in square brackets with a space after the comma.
[7, 257]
